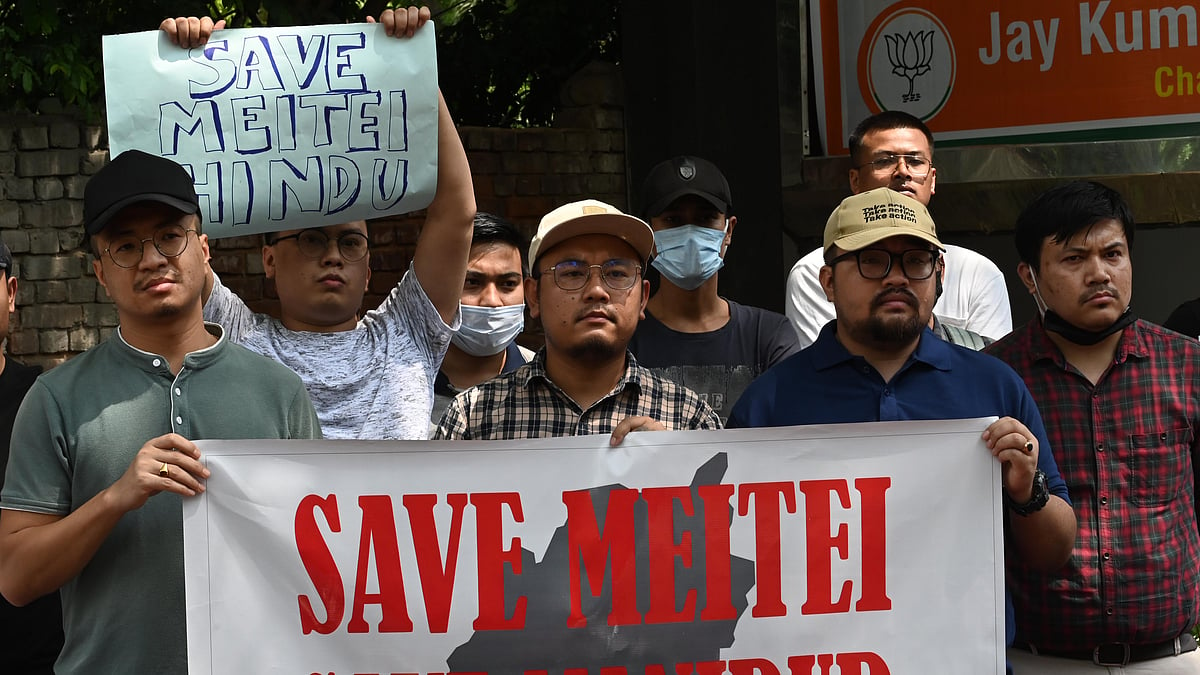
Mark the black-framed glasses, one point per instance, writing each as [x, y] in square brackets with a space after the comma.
[572, 275]
[876, 263]
[126, 251]
[314, 243]
[918, 165]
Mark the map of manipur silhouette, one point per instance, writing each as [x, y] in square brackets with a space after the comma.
[546, 643]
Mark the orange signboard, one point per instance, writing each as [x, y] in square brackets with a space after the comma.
[1021, 67]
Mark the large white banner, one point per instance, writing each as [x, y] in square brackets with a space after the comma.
[283, 128]
[875, 548]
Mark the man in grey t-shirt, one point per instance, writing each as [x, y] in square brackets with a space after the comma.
[369, 378]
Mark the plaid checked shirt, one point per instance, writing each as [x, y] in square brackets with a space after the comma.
[1127, 449]
[526, 404]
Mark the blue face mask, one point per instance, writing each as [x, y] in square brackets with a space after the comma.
[688, 255]
[488, 330]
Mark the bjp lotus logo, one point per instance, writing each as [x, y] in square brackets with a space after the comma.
[906, 62]
[910, 54]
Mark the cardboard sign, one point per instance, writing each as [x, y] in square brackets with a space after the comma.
[875, 547]
[283, 128]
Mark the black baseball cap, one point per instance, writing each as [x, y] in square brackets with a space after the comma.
[131, 177]
[684, 175]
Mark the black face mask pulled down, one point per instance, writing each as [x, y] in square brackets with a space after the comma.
[1053, 322]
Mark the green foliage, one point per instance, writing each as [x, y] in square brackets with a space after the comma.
[248, 13]
[502, 62]
[52, 49]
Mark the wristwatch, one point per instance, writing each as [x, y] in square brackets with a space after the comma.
[1037, 500]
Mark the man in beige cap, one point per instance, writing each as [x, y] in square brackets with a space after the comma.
[879, 361]
[586, 287]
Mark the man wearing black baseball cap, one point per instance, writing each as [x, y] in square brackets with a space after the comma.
[690, 333]
[92, 501]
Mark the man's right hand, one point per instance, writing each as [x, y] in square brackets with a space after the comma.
[190, 31]
[40, 552]
[631, 424]
[169, 463]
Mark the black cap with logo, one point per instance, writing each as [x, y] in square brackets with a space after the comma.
[135, 176]
[684, 175]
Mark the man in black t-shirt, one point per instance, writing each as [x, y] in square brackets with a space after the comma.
[30, 636]
[690, 334]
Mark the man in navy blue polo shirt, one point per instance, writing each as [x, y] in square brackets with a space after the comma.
[879, 361]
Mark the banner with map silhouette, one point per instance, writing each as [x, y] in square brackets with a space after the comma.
[870, 547]
[1026, 69]
[283, 128]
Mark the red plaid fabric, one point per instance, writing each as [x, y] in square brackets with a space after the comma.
[1126, 448]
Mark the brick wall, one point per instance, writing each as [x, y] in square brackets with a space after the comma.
[46, 158]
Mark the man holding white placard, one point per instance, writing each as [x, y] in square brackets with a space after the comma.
[370, 377]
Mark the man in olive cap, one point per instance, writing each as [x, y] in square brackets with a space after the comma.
[878, 361]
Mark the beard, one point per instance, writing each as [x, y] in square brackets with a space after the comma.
[889, 330]
[174, 307]
[595, 350]
[894, 330]
[167, 311]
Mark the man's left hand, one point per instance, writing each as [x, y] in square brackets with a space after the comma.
[402, 22]
[1016, 448]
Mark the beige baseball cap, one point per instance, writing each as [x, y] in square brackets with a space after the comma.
[590, 217]
[872, 216]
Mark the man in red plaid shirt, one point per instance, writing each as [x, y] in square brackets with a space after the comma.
[1121, 402]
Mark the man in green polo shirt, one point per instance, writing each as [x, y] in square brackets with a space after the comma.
[102, 451]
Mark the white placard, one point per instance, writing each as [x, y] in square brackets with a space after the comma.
[283, 128]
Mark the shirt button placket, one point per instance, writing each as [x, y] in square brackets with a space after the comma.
[177, 405]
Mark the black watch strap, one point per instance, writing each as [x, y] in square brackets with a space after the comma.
[1037, 500]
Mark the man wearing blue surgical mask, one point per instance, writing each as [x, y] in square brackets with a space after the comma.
[493, 313]
[690, 334]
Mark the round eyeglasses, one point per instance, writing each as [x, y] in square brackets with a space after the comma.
[875, 263]
[572, 275]
[126, 251]
[918, 166]
[314, 243]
